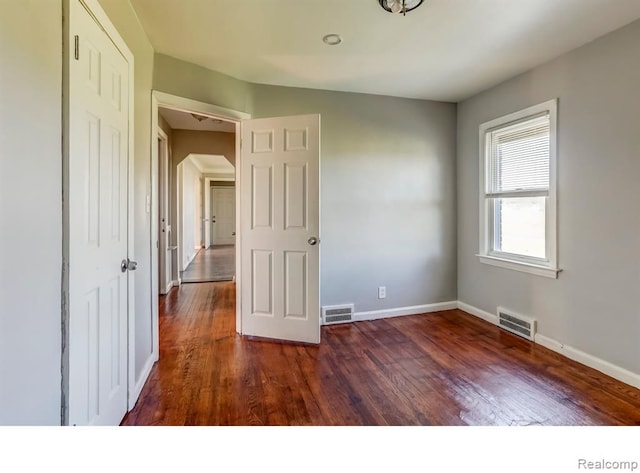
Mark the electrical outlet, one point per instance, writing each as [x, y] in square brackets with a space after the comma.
[382, 292]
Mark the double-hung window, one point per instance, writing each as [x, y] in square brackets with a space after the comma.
[518, 191]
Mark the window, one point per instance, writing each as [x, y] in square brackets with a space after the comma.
[518, 192]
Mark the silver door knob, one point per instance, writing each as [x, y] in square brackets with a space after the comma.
[129, 265]
[313, 241]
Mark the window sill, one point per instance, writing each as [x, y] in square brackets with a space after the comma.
[520, 266]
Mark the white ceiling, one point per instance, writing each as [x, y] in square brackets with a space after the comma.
[444, 50]
[185, 121]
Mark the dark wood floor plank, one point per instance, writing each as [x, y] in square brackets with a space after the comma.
[443, 368]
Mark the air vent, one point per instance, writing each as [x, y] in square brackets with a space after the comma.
[518, 324]
[337, 314]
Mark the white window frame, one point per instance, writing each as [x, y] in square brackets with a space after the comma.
[547, 267]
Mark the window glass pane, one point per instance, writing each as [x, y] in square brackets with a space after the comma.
[520, 226]
[520, 157]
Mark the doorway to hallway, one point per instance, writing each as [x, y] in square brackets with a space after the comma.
[216, 260]
[216, 263]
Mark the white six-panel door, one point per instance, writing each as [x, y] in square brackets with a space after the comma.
[280, 228]
[97, 213]
[223, 215]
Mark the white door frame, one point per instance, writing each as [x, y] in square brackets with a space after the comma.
[211, 208]
[165, 280]
[206, 213]
[210, 198]
[182, 104]
[93, 6]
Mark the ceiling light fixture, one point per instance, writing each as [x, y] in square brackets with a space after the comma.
[332, 39]
[397, 6]
[200, 118]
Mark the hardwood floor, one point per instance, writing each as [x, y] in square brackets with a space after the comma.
[445, 368]
[216, 263]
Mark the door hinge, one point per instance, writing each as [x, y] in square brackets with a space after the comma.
[76, 43]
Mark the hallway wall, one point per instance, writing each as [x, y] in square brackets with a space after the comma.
[30, 212]
[186, 142]
[190, 198]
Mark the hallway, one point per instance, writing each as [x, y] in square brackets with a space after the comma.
[445, 368]
[216, 263]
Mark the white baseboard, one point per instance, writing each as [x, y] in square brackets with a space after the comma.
[591, 361]
[617, 372]
[400, 311]
[146, 371]
[484, 315]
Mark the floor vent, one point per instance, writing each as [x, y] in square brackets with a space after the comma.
[337, 314]
[518, 324]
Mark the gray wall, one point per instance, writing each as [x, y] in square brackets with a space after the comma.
[31, 203]
[388, 209]
[591, 306]
[184, 79]
[30, 212]
[388, 195]
[387, 183]
[186, 142]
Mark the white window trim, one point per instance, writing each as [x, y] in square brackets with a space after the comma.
[547, 268]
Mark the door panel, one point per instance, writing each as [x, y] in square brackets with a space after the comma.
[280, 218]
[223, 216]
[295, 212]
[295, 294]
[97, 213]
[262, 196]
[262, 270]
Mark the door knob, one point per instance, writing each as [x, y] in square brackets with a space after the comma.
[127, 264]
[313, 241]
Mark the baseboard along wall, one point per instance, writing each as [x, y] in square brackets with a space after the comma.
[616, 372]
[137, 390]
[401, 311]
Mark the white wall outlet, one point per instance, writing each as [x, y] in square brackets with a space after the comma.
[382, 292]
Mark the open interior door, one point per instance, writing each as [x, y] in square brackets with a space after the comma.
[280, 228]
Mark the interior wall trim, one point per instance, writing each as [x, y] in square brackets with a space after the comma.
[401, 311]
[604, 366]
